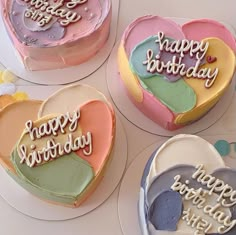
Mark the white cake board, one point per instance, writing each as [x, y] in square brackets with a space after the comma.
[26, 203]
[10, 59]
[130, 186]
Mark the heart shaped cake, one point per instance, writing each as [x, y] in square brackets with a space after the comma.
[175, 74]
[58, 151]
[187, 189]
[53, 34]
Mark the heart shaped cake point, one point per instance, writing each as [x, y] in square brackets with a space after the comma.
[62, 156]
[175, 74]
[187, 189]
[56, 34]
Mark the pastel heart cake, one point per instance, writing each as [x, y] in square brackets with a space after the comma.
[58, 151]
[186, 189]
[175, 74]
[52, 34]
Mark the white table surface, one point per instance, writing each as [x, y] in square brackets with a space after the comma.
[104, 220]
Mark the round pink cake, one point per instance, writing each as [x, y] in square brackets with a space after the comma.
[52, 34]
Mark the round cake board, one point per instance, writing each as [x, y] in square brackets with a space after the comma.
[31, 206]
[135, 116]
[130, 185]
[9, 57]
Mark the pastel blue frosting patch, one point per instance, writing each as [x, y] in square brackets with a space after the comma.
[166, 211]
[173, 92]
[138, 55]
[223, 147]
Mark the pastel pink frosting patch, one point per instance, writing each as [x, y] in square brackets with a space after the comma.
[140, 29]
[161, 114]
[204, 28]
[97, 118]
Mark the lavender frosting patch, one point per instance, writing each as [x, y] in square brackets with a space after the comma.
[33, 25]
[28, 32]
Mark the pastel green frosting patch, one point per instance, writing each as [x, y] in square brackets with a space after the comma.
[178, 96]
[61, 180]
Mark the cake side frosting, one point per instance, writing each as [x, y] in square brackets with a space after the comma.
[187, 195]
[50, 35]
[182, 76]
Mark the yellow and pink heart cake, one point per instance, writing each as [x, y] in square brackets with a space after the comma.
[52, 34]
[175, 74]
[58, 149]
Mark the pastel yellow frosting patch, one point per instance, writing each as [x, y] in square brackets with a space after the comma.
[19, 95]
[130, 80]
[8, 76]
[1, 80]
[42, 142]
[208, 97]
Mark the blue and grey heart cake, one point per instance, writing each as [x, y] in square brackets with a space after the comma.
[186, 189]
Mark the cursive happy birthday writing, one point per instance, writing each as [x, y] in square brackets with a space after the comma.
[175, 66]
[54, 127]
[42, 11]
[226, 198]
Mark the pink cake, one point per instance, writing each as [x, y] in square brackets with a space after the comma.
[51, 34]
